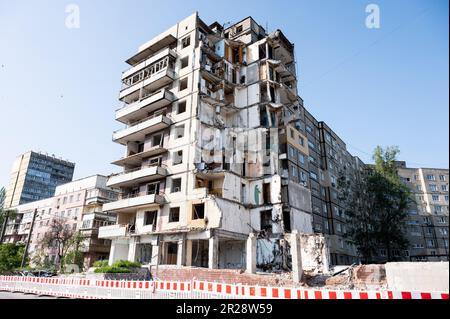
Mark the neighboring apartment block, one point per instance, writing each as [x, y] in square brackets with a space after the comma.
[427, 225]
[78, 205]
[222, 159]
[34, 176]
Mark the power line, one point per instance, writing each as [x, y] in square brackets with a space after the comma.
[358, 52]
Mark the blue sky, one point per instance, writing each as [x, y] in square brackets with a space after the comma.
[387, 86]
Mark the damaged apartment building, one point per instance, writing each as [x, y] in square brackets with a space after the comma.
[222, 161]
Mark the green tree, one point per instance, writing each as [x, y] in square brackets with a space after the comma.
[392, 200]
[5, 214]
[10, 256]
[377, 206]
[360, 231]
[65, 240]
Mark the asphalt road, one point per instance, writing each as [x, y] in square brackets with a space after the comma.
[19, 295]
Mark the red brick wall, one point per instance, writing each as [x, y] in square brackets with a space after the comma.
[220, 275]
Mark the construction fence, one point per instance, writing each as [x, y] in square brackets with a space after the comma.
[115, 289]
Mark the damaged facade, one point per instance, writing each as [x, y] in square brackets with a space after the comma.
[222, 160]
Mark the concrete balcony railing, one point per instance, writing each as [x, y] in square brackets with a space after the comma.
[149, 79]
[145, 105]
[139, 175]
[149, 61]
[139, 130]
[112, 231]
[131, 202]
[136, 159]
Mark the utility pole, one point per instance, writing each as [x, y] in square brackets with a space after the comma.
[28, 240]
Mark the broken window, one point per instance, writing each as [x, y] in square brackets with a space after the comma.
[150, 217]
[272, 94]
[174, 214]
[181, 107]
[273, 119]
[271, 74]
[176, 185]
[186, 42]
[198, 211]
[179, 131]
[184, 62]
[225, 162]
[237, 55]
[199, 255]
[262, 51]
[152, 189]
[264, 120]
[154, 161]
[287, 221]
[266, 193]
[183, 84]
[140, 148]
[270, 52]
[157, 140]
[243, 194]
[177, 157]
[172, 252]
[266, 220]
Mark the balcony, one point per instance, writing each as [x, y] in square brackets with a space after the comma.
[144, 106]
[139, 130]
[132, 201]
[139, 175]
[149, 79]
[286, 72]
[113, 231]
[154, 46]
[136, 159]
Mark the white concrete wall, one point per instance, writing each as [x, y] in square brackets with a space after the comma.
[119, 251]
[301, 221]
[418, 276]
[315, 253]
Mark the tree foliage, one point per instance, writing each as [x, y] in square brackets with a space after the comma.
[10, 256]
[377, 206]
[65, 241]
[5, 214]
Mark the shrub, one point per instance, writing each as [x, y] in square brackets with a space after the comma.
[126, 264]
[101, 263]
[112, 269]
[10, 256]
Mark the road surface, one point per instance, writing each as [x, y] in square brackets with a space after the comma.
[19, 295]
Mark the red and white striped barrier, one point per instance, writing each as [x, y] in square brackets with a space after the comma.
[245, 291]
[115, 289]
